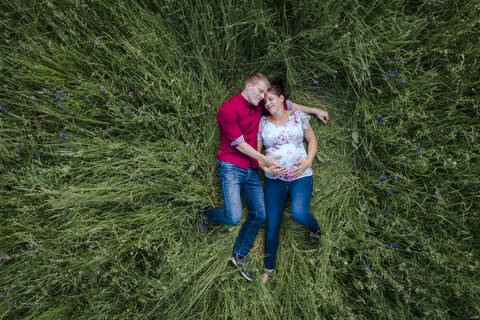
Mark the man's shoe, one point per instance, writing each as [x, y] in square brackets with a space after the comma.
[202, 223]
[242, 266]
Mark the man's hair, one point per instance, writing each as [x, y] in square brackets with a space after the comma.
[254, 78]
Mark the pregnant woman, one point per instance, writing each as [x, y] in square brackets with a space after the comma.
[282, 133]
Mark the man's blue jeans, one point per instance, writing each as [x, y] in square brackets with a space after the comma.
[236, 183]
[276, 194]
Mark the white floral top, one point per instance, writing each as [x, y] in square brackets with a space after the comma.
[286, 141]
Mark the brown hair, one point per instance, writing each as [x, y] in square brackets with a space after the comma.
[279, 86]
[254, 78]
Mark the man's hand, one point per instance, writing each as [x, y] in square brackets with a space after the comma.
[322, 115]
[302, 166]
[270, 161]
[277, 170]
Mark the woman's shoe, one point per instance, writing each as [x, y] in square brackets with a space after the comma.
[314, 237]
[266, 275]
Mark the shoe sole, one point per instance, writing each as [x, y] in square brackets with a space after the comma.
[202, 227]
[240, 269]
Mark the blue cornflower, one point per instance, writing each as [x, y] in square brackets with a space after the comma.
[379, 118]
[382, 287]
[63, 137]
[389, 192]
[383, 178]
[393, 244]
[404, 81]
[2, 109]
[367, 266]
[385, 212]
[417, 150]
[396, 72]
[384, 171]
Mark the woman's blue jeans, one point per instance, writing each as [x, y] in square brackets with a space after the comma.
[276, 194]
[240, 183]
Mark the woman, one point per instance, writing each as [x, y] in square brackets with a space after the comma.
[282, 133]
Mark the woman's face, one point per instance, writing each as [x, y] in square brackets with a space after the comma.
[273, 103]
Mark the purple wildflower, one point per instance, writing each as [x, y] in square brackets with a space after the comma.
[389, 192]
[36, 250]
[208, 106]
[102, 88]
[186, 145]
[107, 104]
[1, 256]
[84, 285]
[393, 244]
[454, 163]
[43, 116]
[178, 150]
[9, 303]
[124, 93]
[63, 137]
[441, 131]
[315, 82]
[99, 37]
[29, 245]
[203, 46]
[400, 60]
[17, 149]
[263, 23]
[94, 74]
[130, 93]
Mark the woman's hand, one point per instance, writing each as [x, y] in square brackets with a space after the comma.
[302, 166]
[277, 170]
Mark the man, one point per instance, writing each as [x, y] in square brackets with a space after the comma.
[238, 119]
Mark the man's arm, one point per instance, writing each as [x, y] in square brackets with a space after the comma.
[273, 170]
[251, 152]
[321, 114]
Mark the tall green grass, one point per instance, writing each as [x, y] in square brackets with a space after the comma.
[108, 155]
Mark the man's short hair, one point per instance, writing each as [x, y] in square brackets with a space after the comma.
[254, 78]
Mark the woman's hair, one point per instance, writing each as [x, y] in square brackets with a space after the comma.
[279, 86]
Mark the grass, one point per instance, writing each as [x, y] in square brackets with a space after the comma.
[98, 187]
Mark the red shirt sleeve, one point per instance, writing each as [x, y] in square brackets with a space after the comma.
[227, 121]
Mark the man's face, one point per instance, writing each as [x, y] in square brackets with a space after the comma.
[256, 92]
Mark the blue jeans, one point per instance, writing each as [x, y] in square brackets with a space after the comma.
[238, 182]
[276, 194]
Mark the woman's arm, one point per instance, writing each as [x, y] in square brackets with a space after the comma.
[321, 114]
[309, 135]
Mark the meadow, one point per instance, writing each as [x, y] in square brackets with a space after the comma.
[108, 137]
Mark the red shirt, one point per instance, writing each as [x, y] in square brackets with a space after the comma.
[238, 120]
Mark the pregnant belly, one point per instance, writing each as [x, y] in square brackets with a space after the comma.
[289, 155]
